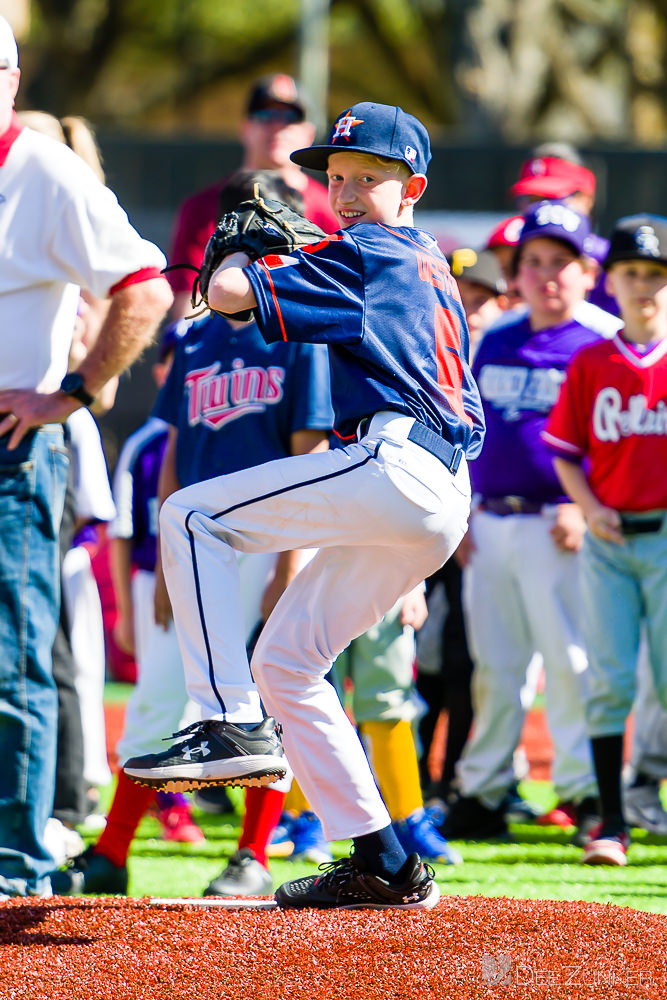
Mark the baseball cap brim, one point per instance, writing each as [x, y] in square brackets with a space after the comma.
[317, 157]
[543, 187]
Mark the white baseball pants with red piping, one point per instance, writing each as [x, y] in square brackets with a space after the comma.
[385, 514]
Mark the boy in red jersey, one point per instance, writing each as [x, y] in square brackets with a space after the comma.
[612, 414]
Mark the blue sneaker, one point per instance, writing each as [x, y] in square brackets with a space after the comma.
[281, 844]
[308, 838]
[416, 834]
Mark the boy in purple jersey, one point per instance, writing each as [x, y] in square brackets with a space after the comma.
[386, 510]
[520, 583]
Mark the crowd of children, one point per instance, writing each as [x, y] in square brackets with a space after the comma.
[561, 574]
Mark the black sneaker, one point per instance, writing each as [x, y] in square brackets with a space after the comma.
[517, 809]
[90, 873]
[213, 799]
[347, 885]
[588, 815]
[213, 753]
[243, 876]
[468, 819]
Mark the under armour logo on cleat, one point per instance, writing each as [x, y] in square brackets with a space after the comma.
[198, 751]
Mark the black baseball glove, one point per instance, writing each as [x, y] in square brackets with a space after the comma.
[256, 227]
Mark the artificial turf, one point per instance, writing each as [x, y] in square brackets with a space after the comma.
[535, 863]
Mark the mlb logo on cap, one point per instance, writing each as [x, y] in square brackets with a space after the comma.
[379, 129]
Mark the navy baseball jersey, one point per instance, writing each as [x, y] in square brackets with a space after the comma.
[519, 374]
[236, 400]
[385, 303]
[135, 491]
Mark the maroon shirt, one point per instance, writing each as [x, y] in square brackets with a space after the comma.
[197, 217]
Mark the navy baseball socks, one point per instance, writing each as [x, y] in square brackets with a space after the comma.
[213, 753]
[376, 876]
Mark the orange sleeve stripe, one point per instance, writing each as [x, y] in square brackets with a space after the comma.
[275, 298]
[145, 274]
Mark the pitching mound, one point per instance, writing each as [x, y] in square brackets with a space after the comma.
[471, 947]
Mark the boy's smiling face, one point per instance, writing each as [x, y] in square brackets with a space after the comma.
[362, 189]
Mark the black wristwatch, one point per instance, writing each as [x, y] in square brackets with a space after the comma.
[72, 385]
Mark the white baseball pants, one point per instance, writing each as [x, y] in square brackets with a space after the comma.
[385, 514]
[521, 596]
[159, 704]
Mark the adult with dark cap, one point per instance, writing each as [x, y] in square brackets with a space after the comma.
[60, 229]
[275, 124]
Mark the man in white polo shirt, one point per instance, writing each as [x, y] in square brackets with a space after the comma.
[60, 229]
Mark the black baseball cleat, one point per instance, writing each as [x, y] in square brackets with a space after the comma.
[346, 884]
[213, 753]
[90, 873]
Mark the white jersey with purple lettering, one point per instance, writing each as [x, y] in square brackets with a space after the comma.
[520, 589]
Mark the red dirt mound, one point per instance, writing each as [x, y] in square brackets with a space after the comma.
[464, 949]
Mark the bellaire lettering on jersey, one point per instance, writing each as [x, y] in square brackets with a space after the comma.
[613, 409]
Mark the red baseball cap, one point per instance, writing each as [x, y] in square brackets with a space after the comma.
[507, 233]
[551, 177]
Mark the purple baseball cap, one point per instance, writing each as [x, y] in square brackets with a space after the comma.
[380, 129]
[554, 220]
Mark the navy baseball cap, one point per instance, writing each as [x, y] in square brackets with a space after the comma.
[638, 237]
[553, 220]
[379, 129]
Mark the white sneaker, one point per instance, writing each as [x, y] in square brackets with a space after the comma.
[642, 808]
[62, 842]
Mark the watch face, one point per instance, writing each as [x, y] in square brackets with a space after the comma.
[73, 386]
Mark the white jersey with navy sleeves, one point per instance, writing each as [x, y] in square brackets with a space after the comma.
[385, 302]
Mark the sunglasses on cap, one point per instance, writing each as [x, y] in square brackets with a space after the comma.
[276, 116]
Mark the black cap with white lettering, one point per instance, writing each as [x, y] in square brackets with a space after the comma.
[638, 237]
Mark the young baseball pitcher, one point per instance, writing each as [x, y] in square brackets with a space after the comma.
[385, 511]
[612, 416]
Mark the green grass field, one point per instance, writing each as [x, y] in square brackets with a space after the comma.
[536, 863]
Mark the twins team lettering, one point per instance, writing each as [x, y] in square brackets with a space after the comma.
[611, 422]
[216, 398]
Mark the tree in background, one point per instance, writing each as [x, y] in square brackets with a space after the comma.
[520, 70]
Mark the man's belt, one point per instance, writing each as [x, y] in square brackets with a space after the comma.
[502, 506]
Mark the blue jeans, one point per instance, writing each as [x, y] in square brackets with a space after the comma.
[32, 491]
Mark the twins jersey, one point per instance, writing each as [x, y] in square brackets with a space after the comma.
[612, 410]
[385, 303]
[519, 373]
[236, 400]
[135, 491]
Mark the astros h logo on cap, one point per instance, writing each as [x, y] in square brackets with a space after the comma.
[380, 129]
[343, 125]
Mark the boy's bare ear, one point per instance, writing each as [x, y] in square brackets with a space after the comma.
[414, 189]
